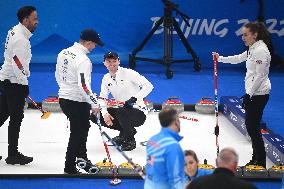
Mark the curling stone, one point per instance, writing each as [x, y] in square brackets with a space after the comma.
[205, 106]
[255, 171]
[51, 104]
[127, 169]
[174, 102]
[276, 171]
[206, 166]
[106, 168]
[149, 104]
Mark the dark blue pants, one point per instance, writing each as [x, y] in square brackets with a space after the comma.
[12, 102]
[125, 120]
[254, 111]
[78, 114]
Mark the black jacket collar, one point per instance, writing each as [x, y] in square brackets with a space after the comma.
[223, 171]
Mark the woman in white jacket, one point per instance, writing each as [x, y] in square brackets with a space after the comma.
[257, 83]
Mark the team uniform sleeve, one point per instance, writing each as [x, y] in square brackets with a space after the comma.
[21, 60]
[104, 94]
[142, 82]
[236, 59]
[57, 74]
[173, 163]
[262, 70]
[84, 78]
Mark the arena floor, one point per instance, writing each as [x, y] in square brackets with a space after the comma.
[46, 141]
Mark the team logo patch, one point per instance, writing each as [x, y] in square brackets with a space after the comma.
[259, 61]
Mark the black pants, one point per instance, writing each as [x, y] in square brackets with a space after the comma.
[254, 111]
[12, 102]
[78, 113]
[125, 120]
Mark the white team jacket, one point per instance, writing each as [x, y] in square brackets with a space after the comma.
[73, 75]
[257, 63]
[126, 84]
[17, 55]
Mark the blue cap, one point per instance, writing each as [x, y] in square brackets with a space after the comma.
[91, 35]
[111, 55]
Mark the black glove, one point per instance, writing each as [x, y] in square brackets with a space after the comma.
[246, 100]
[129, 103]
[93, 118]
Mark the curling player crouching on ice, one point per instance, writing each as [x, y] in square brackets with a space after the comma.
[127, 86]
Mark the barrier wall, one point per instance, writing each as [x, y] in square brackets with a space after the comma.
[274, 144]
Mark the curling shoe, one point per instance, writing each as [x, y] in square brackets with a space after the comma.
[71, 170]
[257, 163]
[19, 158]
[87, 165]
[118, 140]
[128, 145]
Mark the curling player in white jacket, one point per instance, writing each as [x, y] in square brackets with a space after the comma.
[128, 86]
[76, 99]
[257, 83]
[14, 75]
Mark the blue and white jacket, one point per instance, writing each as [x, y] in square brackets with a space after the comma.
[165, 161]
[200, 172]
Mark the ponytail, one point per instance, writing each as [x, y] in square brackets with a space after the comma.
[262, 33]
